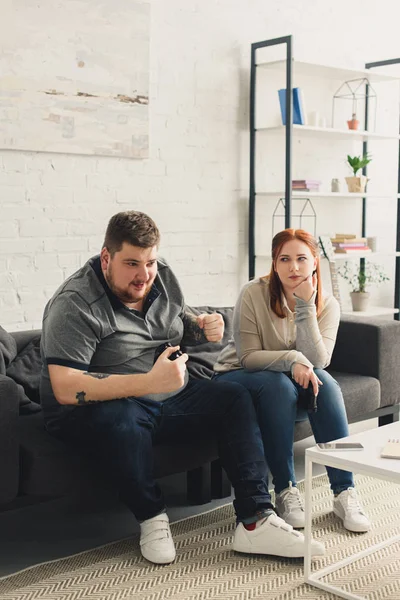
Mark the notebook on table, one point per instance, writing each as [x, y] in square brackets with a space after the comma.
[391, 449]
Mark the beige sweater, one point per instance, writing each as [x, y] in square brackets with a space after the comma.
[259, 343]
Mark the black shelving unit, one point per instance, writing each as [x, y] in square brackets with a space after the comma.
[372, 65]
[288, 42]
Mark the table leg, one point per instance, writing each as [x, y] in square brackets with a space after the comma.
[308, 516]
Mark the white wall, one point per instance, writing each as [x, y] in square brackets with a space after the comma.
[54, 208]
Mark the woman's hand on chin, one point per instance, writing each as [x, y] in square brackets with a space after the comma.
[306, 288]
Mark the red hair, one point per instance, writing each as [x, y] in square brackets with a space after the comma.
[275, 285]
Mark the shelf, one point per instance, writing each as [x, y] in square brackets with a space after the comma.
[347, 256]
[373, 311]
[297, 194]
[309, 130]
[306, 68]
[343, 256]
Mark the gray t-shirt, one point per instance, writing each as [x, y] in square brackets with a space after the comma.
[86, 327]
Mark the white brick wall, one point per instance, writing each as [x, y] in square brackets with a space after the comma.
[54, 208]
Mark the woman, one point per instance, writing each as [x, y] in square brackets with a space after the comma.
[283, 338]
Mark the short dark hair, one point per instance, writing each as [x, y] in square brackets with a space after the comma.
[134, 227]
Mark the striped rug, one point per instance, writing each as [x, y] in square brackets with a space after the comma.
[206, 567]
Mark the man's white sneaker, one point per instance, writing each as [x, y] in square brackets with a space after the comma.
[156, 543]
[289, 506]
[348, 508]
[273, 536]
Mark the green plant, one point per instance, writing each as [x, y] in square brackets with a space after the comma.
[357, 162]
[359, 276]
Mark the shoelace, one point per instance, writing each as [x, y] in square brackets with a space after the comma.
[353, 502]
[293, 500]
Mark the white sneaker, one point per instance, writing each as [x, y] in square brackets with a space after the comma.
[156, 543]
[348, 508]
[273, 536]
[289, 506]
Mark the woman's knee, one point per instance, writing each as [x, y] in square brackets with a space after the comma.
[330, 391]
[274, 392]
[329, 384]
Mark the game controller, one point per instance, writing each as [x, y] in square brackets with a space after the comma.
[311, 399]
[160, 349]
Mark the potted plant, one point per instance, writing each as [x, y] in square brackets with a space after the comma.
[360, 276]
[353, 123]
[357, 184]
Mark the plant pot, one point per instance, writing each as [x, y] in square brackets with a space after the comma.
[359, 300]
[353, 123]
[357, 184]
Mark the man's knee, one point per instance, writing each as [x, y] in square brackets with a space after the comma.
[233, 392]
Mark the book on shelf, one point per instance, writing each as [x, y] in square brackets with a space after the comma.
[298, 110]
[344, 235]
[391, 449]
[347, 240]
[296, 186]
[348, 245]
[350, 250]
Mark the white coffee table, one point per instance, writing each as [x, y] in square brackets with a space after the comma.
[366, 462]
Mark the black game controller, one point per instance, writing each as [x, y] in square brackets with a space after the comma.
[310, 399]
[160, 350]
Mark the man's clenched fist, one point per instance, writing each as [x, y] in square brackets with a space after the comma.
[212, 325]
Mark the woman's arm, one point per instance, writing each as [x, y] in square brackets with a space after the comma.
[250, 318]
[316, 337]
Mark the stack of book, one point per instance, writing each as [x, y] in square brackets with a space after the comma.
[305, 185]
[346, 243]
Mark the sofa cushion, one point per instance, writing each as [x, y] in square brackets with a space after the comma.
[26, 367]
[10, 366]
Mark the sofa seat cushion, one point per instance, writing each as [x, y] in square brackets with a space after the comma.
[361, 396]
[47, 466]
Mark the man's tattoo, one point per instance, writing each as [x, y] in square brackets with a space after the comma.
[97, 375]
[192, 331]
[81, 397]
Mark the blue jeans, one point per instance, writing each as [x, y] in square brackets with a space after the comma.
[275, 396]
[121, 433]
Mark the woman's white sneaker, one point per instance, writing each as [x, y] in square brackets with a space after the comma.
[273, 536]
[347, 507]
[156, 543]
[289, 506]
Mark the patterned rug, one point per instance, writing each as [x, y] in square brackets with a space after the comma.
[206, 567]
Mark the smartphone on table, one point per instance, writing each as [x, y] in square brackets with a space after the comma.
[344, 446]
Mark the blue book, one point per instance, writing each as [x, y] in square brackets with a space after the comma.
[298, 110]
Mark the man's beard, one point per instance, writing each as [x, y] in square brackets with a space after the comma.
[124, 295]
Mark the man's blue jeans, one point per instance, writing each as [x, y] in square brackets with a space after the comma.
[121, 433]
[276, 399]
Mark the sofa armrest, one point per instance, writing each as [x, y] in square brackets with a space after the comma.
[9, 439]
[370, 347]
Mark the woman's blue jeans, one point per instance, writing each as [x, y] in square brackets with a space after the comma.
[276, 399]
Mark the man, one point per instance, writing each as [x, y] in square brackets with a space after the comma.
[101, 391]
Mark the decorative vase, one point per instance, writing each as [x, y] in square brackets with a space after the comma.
[359, 300]
[353, 123]
[357, 184]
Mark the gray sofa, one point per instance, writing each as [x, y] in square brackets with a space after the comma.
[35, 466]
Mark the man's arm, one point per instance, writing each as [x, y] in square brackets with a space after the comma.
[202, 328]
[75, 387]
